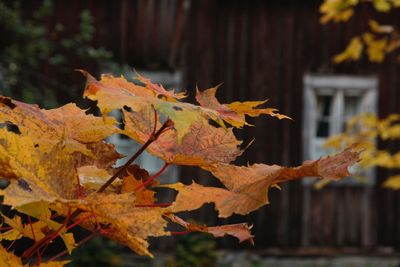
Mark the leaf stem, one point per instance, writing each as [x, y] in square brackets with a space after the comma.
[65, 251]
[181, 233]
[153, 137]
[151, 179]
[47, 239]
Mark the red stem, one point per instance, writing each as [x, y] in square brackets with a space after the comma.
[45, 240]
[62, 253]
[154, 205]
[30, 224]
[78, 222]
[12, 243]
[39, 258]
[151, 179]
[181, 233]
[153, 137]
[155, 120]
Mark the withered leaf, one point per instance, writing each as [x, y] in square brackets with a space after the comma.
[202, 145]
[234, 113]
[125, 223]
[143, 195]
[248, 186]
[182, 114]
[240, 230]
[158, 89]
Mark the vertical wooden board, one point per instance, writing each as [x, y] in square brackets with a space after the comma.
[340, 219]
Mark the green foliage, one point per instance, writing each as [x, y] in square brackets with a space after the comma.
[195, 250]
[97, 252]
[35, 52]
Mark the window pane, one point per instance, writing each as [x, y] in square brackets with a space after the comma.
[323, 128]
[324, 104]
[352, 107]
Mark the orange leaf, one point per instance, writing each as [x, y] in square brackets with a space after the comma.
[234, 113]
[126, 223]
[158, 89]
[202, 145]
[240, 230]
[248, 186]
[133, 180]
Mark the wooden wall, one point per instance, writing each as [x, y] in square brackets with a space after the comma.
[259, 50]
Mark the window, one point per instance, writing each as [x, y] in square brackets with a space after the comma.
[329, 102]
[128, 147]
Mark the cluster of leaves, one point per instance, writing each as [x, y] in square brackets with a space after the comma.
[61, 174]
[364, 130]
[379, 41]
[35, 52]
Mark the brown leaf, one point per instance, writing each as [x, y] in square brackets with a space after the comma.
[158, 89]
[248, 186]
[234, 113]
[110, 97]
[102, 155]
[126, 223]
[194, 196]
[240, 230]
[143, 195]
[202, 145]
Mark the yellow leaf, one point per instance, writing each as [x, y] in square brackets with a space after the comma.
[68, 124]
[381, 5]
[352, 52]
[337, 10]
[377, 28]
[8, 259]
[125, 223]
[392, 182]
[43, 178]
[54, 264]
[376, 48]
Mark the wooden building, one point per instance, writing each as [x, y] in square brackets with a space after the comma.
[276, 50]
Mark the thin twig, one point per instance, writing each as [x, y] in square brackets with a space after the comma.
[151, 179]
[153, 137]
[65, 251]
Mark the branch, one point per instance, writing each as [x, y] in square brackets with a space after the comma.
[153, 137]
[62, 253]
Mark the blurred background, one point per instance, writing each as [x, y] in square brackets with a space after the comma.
[275, 50]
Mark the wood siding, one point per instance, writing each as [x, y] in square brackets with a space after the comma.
[260, 50]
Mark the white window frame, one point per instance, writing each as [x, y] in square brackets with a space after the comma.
[337, 86]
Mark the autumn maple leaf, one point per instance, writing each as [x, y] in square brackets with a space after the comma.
[62, 172]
